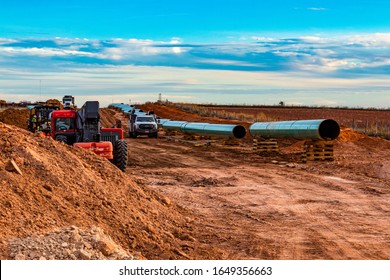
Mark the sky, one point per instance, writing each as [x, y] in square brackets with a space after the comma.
[316, 53]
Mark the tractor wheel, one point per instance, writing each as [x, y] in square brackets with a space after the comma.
[62, 138]
[120, 154]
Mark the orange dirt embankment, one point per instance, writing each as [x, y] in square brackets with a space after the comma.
[166, 112]
[60, 186]
[17, 117]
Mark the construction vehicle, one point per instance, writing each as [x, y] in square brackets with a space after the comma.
[68, 102]
[39, 116]
[141, 123]
[82, 128]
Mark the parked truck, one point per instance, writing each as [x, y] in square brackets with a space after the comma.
[68, 102]
[141, 123]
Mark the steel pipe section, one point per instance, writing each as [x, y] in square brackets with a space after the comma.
[173, 125]
[123, 107]
[160, 122]
[324, 129]
[227, 130]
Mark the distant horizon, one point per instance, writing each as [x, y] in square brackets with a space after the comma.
[244, 105]
[310, 53]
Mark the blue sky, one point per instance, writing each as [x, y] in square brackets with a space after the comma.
[318, 52]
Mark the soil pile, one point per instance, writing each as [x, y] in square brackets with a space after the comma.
[113, 118]
[166, 112]
[17, 117]
[68, 243]
[348, 135]
[50, 186]
[107, 117]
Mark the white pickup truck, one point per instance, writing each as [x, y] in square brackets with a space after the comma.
[143, 124]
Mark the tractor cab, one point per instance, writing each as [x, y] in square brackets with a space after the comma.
[82, 128]
[63, 126]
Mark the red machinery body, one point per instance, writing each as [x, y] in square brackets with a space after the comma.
[103, 149]
[82, 129]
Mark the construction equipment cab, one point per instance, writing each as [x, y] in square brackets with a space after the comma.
[39, 117]
[83, 129]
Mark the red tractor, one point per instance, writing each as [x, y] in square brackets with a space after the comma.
[82, 128]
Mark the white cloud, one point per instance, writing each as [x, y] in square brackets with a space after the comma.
[176, 40]
[315, 39]
[263, 39]
[14, 51]
[6, 41]
[317, 9]
[264, 66]
[370, 40]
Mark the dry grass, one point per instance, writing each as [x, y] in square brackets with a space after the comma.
[372, 122]
[222, 114]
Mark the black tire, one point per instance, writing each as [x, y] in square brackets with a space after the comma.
[62, 138]
[120, 154]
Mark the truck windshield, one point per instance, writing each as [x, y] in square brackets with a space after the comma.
[64, 123]
[145, 119]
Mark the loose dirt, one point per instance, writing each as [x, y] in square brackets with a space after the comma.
[182, 199]
[17, 117]
[272, 206]
[60, 186]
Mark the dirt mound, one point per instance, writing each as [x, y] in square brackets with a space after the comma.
[68, 243]
[111, 118]
[348, 135]
[166, 112]
[17, 117]
[108, 117]
[60, 186]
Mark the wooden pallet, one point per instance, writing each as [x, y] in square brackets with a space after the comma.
[191, 137]
[265, 146]
[318, 151]
[195, 143]
[169, 132]
[231, 142]
[188, 136]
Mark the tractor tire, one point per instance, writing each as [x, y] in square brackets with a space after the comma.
[120, 154]
[62, 138]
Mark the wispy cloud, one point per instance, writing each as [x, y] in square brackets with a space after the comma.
[260, 54]
[317, 9]
[261, 65]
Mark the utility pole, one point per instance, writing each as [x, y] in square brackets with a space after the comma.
[40, 90]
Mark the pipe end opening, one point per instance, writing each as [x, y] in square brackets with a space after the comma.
[239, 131]
[329, 129]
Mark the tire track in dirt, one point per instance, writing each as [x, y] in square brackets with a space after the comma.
[268, 211]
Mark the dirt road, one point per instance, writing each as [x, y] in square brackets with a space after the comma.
[252, 208]
[196, 201]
